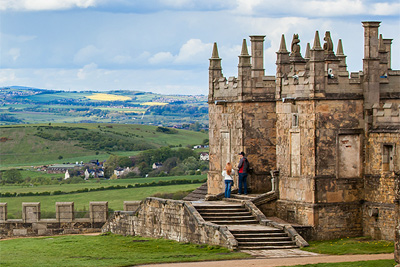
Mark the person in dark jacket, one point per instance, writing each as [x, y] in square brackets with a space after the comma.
[243, 169]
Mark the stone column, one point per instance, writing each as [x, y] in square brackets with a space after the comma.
[3, 211]
[98, 211]
[30, 212]
[65, 211]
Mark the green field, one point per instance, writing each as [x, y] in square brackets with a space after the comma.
[81, 201]
[21, 146]
[105, 250]
[93, 184]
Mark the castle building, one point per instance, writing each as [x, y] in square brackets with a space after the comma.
[332, 139]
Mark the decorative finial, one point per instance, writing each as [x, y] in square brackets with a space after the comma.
[317, 44]
[245, 52]
[307, 56]
[339, 51]
[282, 47]
[328, 45]
[295, 46]
[215, 51]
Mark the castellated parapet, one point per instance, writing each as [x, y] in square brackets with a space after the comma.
[334, 136]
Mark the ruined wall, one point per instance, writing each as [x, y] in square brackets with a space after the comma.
[178, 220]
[65, 222]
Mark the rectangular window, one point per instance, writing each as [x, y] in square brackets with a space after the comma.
[295, 120]
[387, 158]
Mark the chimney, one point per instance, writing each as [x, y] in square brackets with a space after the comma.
[257, 56]
[371, 66]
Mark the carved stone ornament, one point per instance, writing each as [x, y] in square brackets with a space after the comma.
[295, 47]
[328, 45]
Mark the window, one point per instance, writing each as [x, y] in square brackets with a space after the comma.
[295, 120]
[387, 158]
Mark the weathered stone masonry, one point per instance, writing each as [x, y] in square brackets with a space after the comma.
[65, 222]
[333, 135]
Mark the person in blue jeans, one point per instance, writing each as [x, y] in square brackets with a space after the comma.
[243, 168]
[227, 173]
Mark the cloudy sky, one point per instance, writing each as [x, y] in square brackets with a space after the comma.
[163, 46]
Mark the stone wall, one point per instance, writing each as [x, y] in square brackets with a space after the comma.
[170, 219]
[242, 126]
[397, 229]
[65, 222]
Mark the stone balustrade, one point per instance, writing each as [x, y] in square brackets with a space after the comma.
[65, 221]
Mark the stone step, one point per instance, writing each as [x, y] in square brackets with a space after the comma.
[227, 218]
[258, 231]
[266, 243]
[235, 222]
[265, 247]
[260, 235]
[262, 240]
[239, 213]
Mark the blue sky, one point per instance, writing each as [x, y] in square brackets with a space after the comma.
[163, 46]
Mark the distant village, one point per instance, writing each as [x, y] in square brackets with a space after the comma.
[95, 169]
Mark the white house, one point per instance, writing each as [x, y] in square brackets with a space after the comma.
[204, 156]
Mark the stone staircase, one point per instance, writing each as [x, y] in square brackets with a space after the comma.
[256, 239]
[198, 194]
[226, 214]
[244, 226]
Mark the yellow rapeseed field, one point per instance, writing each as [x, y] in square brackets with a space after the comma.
[154, 104]
[108, 97]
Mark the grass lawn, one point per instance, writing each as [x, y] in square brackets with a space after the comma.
[105, 250]
[343, 246]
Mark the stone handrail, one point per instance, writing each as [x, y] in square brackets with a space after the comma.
[171, 219]
[262, 219]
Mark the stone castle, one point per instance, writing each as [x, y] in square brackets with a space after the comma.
[330, 139]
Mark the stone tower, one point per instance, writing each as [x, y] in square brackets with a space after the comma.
[333, 136]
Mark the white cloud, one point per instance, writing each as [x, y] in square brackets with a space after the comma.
[14, 53]
[386, 9]
[87, 54]
[37, 5]
[7, 76]
[86, 71]
[161, 58]
[193, 51]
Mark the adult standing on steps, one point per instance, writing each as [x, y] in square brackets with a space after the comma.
[243, 168]
[227, 174]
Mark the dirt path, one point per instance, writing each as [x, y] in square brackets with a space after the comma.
[270, 262]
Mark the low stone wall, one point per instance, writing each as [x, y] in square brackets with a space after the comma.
[65, 222]
[170, 219]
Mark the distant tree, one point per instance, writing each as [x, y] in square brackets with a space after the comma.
[12, 176]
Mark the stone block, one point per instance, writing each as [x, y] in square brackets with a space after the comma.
[3, 211]
[30, 212]
[98, 211]
[65, 211]
[20, 232]
[131, 205]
